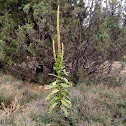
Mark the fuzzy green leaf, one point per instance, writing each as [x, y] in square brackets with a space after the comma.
[64, 85]
[54, 99]
[65, 92]
[66, 73]
[52, 93]
[66, 103]
[65, 80]
[64, 110]
[66, 97]
[52, 85]
[52, 75]
[52, 106]
[62, 67]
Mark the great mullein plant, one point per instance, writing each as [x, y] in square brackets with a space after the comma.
[59, 96]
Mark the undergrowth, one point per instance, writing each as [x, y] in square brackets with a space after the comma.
[92, 105]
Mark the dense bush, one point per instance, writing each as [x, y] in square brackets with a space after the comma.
[91, 36]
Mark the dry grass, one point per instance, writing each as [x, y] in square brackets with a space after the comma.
[100, 105]
[95, 105]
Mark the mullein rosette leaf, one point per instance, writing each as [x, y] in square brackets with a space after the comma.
[59, 96]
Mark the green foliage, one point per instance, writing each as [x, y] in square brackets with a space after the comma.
[90, 37]
[2, 49]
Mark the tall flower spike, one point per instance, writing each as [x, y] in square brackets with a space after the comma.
[58, 31]
[54, 52]
[62, 49]
[60, 101]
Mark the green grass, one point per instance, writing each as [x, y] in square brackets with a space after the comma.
[94, 105]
